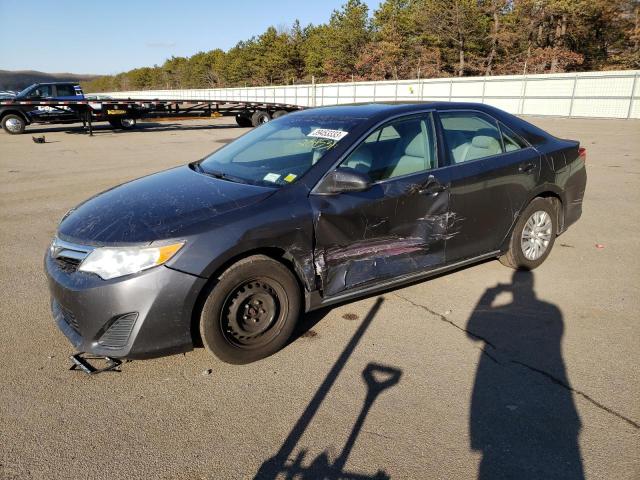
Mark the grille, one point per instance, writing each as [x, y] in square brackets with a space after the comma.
[68, 256]
[68, 265]
[70, 318]
[118, 333]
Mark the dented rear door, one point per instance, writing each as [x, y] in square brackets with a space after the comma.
[396, 227]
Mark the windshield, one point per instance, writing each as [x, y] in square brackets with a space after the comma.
[278, 152]
[23, 92]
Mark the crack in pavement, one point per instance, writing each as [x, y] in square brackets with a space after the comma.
[446, 320]
[548, 375]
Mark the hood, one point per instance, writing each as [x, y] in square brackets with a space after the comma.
[164, 205]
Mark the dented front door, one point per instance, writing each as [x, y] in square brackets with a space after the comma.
[396, 227]
[391, 230]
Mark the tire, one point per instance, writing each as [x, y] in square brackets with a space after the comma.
[243, 120]
[268, 293]
[278, 114]
[123, 123]
[259, 117]
[13, 124]
[524, 255]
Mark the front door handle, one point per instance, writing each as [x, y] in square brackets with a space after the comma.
[527, 167]
[432, 186]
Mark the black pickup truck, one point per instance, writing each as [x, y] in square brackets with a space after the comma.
[60, 102]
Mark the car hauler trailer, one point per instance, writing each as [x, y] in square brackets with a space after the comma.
[41, 103]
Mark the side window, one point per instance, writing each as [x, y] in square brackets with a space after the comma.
[402, 147]
[43, 91]
[470, 135]
[511, 140]
[65, 91]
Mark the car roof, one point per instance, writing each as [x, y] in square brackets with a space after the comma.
[57, 83]
[370, 109]
[372, 113]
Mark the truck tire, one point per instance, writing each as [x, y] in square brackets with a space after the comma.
[259, 117]
[13, 124]
[278, 114]
[243, 120]
[123, 123]
[251, 311]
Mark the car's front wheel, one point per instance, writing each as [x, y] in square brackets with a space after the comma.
[252, 310]
[533, 235]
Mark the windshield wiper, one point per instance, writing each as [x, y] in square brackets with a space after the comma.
[217, 174]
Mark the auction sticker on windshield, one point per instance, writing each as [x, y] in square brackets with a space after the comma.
[271, 177]
[327, 133]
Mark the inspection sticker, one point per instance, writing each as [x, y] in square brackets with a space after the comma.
[271, 177]
[328, 133]
[290, 178]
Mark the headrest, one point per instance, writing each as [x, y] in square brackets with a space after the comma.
[362, 154]
[416, 147]
[483, 141]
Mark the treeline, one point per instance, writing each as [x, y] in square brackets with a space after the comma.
[411, 39]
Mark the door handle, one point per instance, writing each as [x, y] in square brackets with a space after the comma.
[432, 186]
[527, 167]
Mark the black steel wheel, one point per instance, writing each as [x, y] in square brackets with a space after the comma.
[278, 114]
[252, 310]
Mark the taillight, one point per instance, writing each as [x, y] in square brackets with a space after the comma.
[582, 154]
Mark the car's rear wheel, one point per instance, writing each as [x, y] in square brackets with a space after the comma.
[13, 124]
[252, 310]
[533, 235]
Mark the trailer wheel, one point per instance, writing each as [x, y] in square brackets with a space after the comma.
[123, 123]
[259, 117]
[278, 114]
[243, 120]
[13, 124]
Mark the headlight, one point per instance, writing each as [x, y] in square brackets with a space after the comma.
[112, 262]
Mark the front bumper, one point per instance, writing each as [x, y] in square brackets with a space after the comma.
[143, 315]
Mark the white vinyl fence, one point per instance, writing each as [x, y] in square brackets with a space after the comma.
[614, 94]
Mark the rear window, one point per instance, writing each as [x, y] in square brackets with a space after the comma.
[65, 91]
[470, 135]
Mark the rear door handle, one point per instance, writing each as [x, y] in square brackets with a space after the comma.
[432, 186]
[527, 167]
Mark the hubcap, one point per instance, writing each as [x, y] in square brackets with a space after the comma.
[536, 235]
[13, 125]
[253, 313]
[128, 122]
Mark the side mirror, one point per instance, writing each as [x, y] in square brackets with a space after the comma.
[343, 180]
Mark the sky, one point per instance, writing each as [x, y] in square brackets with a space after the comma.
[106, 37]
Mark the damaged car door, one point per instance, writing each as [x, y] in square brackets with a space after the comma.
[382, 212]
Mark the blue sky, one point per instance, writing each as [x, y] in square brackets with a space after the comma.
[106, 37]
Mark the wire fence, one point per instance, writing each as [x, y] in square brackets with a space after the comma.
[614, 94]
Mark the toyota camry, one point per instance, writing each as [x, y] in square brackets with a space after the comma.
[314, 208]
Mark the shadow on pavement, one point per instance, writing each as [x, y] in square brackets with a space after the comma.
[376, 377]
[525, 426]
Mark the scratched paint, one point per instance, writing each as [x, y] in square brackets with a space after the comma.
[391, 230]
